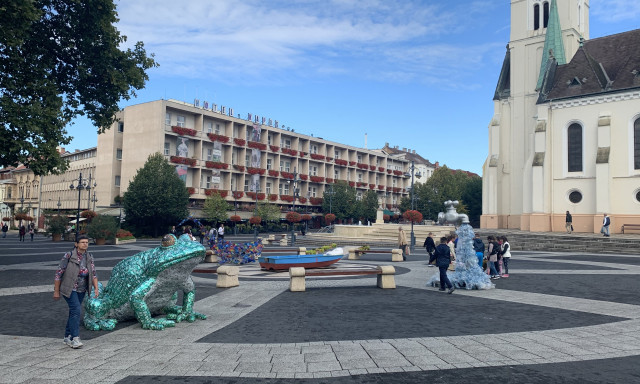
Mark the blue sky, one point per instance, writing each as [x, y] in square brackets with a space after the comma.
[416, 74]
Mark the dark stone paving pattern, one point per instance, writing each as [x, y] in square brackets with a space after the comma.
[609, 371]
[372, 313]
[614, 288]
[602, 259]
[38, 315]
[515, 264]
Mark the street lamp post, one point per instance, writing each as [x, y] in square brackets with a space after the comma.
[80, 185]
[295, 191]
[21, 207]
[235, 211]
[94, 199]
[89, 194]
[255, 212]
[412, 168]
[330, 193]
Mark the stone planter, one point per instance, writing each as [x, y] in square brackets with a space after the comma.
[56, 236]
[100, 241]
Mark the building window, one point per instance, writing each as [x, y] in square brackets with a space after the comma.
[209, 126]
[285, 166]
[359, 196]
[286, 188]
[336, 154]
[206, 182]
[313, 192]
[119, 154]
[636, 144]
[575, 197]
[167, 149]
[167, 118]
[360, 177]
[359, 158]
[269, 139]
[286, 143]
[181, 121]
[545, 13]
[217, 131]
[209, 154]
[574, 148]
[247, 160]
[536, 17]
[268, 188]
[120, 126]
[313, 149]
[281, 189]
[313, 170]
[336, 174]
[246, 185]
[269, 163]
[117, 181]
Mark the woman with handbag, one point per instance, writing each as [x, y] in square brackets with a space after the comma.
[74, 277]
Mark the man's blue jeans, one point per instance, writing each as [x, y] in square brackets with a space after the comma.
[75, 312]
[444, 279]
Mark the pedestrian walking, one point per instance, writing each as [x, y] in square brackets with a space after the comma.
[442, 258]
[21, 232]
[605, 225]
[568, 223]
[402, 243]
[430, 245]
[451, 243]
[478, 247]
[75, 275]
[492, 250]
[221, 232]
[506, 256]
[202, 233]
[31, 233]
[5, 228]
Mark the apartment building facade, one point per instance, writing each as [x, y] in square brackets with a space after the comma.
[241, 158]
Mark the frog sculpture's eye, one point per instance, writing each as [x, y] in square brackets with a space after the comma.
[168, 240]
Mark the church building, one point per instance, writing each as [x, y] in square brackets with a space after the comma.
[565, 134]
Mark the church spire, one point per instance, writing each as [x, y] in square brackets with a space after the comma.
[552, 42]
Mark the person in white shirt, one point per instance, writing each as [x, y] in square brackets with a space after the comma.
[221, 232]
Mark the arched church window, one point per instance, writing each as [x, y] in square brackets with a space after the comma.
[536, 17]
[574, 148]
[545, 11]
[636, 144]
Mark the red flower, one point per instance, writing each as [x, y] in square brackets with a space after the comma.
[306, 217]
[238, 194]
[303, 177]
[184, 131]
[255, 220]
[316, 200]
[235, 218]
[413, 216]
[329, 218]
[216, 137]
[240, 142]
[273, 173]
[293, 217]
[273, 197]
[256, 145]
[274, 148]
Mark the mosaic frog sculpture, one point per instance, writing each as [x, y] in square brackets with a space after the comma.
[147, 284]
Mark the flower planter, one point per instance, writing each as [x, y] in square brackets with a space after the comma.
[56, 237]
[100, 241]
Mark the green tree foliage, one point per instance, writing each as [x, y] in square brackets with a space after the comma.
[268, 212]
[60, 59]
[343, 203]
[156, 197]
[446, 184]
[216, 208]
[368, 206]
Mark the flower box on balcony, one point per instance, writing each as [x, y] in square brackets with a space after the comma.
[238, 194]
[286, 198]
[289, 151]
[380, 169]
[352, 183]
[255, 171]
[184, 131]
[274, 148]
[302, 154]
[212, 191]
[397, 173]
[341, 162]
[240, 142]
[304, 177]
[352, 163]
[191, 190]
[273, 172]
[238, 167]
[256, 145]
[216, 137]
[329, 180]
[362, 166]
[361, 184]
[302, 200]
[389, 189]
[182, 160]
[396, 190]
[315, 200]
[389, 171]
[381, 187]
[372, 186]
[317, 179]
[316, 156]
[372, 167]
[287, 175]
[273, 197]
[216, 165]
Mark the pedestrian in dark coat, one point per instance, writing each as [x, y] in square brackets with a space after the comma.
[442, 257]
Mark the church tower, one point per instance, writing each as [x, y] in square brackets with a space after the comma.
[514, 171]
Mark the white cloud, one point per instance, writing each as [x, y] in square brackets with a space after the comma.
[232, 40]
[612, 11]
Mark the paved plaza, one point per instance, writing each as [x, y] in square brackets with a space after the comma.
[558, 318]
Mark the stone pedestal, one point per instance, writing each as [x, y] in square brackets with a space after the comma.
[227, 276]
[386, 278]
[380, 216]
[396, 255]
[296, 279]
[210, 257]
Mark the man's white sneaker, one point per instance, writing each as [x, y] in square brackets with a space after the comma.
[76, 343]
[67, 340]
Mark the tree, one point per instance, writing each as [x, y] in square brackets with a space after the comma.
[472, 198]
[156, 197]
[443, 185]
[367, 207]
[59, 60]
[216, 207]
[343, 202]
[268, 212]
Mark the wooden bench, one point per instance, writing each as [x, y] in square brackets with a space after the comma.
[385, 276]
[633, 227]
[354, 254]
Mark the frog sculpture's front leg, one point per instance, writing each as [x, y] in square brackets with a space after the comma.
[141, 310]
[185, 312]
